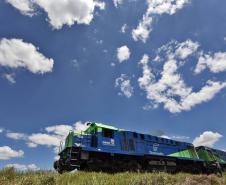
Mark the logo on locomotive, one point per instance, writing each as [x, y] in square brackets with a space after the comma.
[155, 147]
[111, 142]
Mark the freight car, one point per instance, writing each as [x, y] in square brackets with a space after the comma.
[105, 148]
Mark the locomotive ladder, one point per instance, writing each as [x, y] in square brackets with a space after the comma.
[74, 155]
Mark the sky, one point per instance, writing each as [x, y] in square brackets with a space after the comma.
[151, 66]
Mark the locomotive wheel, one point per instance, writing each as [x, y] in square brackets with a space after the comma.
[57, 167]
[134, 166]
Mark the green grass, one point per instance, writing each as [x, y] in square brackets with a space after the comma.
[10, 177]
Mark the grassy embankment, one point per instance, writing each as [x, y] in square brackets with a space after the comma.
[11, 177]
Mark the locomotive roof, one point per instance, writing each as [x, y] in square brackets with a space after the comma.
[118, 129]
[213, 149]
[102, 126]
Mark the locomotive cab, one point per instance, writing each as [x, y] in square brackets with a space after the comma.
[96, 138]
[101, 135]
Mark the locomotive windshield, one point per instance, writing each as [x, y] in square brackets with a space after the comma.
[108, 133]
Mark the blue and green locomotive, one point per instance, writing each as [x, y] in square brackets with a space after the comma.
[105, 148]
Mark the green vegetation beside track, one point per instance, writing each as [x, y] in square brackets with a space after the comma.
[11, 177]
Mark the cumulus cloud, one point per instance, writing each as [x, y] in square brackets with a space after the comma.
[124, 28]
[15, 135]
[180, 138]
[117, 3]
[23, 167]
[79, 126]
[51, 137]
[44, 139]
[142, 31]
[207, 138]
[123, 53]
[176, 50]
[165, 137]
[25, 6]
[215, 62]
[170, 89]
[185, 49]
[67, 12]
[31, 145]
[15, 53]
[10, 78]
[61, 130]
[160, 133]
[171, 85]
[155, 7]
[7, 153]
[125, 86]
[1, 130]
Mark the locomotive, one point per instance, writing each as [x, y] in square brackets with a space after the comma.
[106, 148]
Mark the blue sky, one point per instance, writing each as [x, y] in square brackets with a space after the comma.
[82, 61]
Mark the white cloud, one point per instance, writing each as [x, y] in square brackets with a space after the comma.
[51, 137]
[150, 106]
[207, 138]
[165, 136]
[124, 84]
[112, 64]
[123, 53]
[79, 126]
[99, 42]
[216, 62]
[66, 12]
[23, 167]
[205, 94]
[61, 130]
[160, 133]
[16, 135]
[156, 7]
[31, 145]
[7, 153]
[180, 138]
[1, 130]
[16, 53]
[117, 3]
[124, 28]
[25, 6]
[176, 50]
[57, 157]
[143, 29]
[99, 4]
[45, 139]
[10, 78]
[147, 74]
[75, 64]
[170, 89]
[186, 48]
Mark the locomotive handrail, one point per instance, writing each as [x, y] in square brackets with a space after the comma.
[61, 146]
